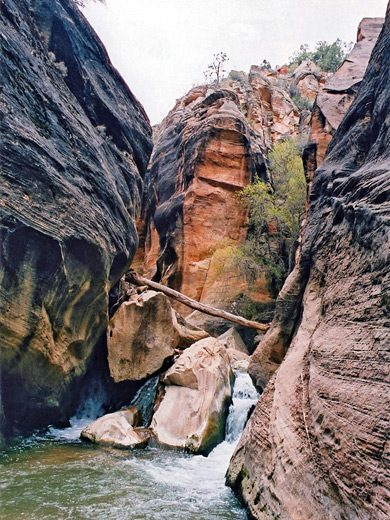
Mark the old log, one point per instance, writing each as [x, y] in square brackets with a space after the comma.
[137, 279]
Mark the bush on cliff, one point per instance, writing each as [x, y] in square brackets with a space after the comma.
[328, 56]
[275, 214]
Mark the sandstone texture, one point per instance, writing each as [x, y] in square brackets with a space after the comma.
[197, 394]
[75, 145]
[204, 153]
[116, 430]
[143, 334]
[317, 444]
[337, 94]
[207, 149]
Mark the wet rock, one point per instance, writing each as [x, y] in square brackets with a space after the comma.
[197, 393]
[316, 445]
[143, 334]
[75, 144]
[116, 430]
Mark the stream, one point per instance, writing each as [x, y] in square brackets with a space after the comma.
[55, 476]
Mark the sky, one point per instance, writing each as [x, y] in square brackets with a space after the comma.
[162, 47]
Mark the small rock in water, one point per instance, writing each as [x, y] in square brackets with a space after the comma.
[117, 430]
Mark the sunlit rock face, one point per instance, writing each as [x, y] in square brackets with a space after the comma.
[117, 430]
[337, 94]
[75, 146]
[205, 152]
[317, 445]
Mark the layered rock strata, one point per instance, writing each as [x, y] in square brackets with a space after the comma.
[207, 149]
[205, 152]
[337, 94]
[317, 444]
[75, 144]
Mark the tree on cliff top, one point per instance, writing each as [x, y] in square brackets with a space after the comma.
[328, 56]
[215, 68]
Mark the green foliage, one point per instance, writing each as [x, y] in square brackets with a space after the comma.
[301, 103]
[236, 75]
[275, 213]
[328, 56]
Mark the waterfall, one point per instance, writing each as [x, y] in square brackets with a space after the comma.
[90, 409]
[144, 400]
[244, 397]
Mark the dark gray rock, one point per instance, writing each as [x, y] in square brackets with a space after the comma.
[75, 144]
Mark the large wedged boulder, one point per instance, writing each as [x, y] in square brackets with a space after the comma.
[116, 430]
[143, 334]
[75, 144]
[316, 445]
[197, 393]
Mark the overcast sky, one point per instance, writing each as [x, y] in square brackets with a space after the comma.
[162, 47]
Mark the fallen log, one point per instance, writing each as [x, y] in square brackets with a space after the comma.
[136, 279]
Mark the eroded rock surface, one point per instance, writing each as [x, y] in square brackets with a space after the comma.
[207, 149]
[338, 93]
[75, 144]
[205, 152]
[197, 394]
[317, 443]
[143, 334]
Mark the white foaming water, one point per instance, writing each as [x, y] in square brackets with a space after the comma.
[65, 479]
[244, 397]
[192, 473]
[90, 410]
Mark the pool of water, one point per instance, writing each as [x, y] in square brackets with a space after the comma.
[56, 477]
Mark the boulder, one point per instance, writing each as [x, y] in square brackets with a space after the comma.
[75, 145]
[197, 393]
[143, 334]
[231, 339]
[116, 430]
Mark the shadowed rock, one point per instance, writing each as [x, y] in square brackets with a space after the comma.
[75, 144]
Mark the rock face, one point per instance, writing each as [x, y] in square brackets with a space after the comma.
[205, 152]
[143, 334]
[317, 443]
[194, 407]
[75, 144]
[338, 93]
[116, 430]
[207, 149]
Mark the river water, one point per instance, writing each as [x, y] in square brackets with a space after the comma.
[56, 477]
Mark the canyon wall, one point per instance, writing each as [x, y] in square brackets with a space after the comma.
[317, 445]
[336, 95]
[205, 152]
[210, 146]
[75, 145]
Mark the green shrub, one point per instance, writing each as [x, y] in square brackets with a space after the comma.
[279, 206]
[328, 56]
